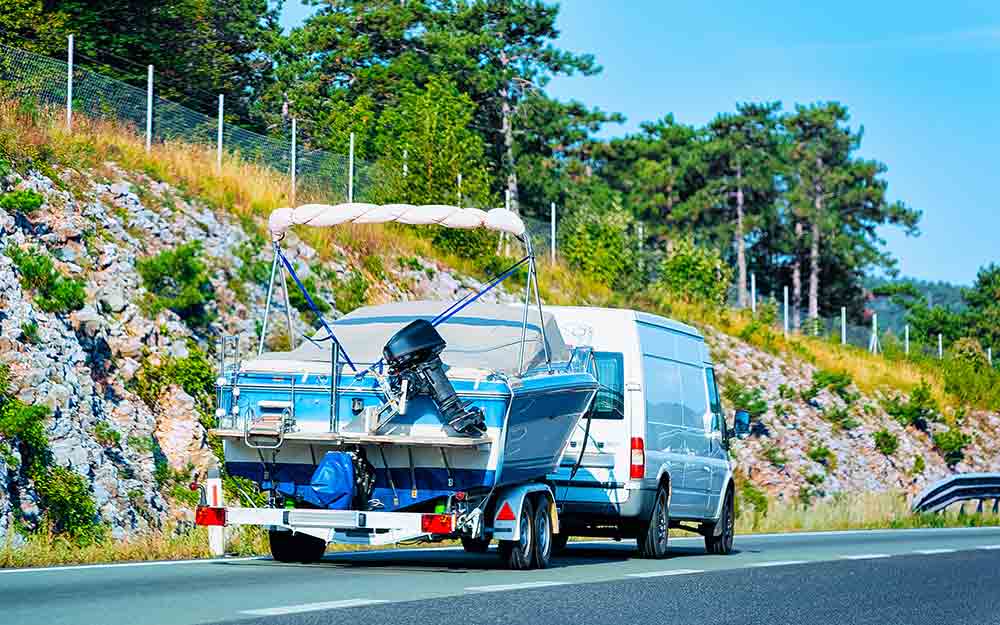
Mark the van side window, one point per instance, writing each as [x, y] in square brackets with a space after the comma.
[664, 404]
[694, 401]
[610, 400]
[713, 399]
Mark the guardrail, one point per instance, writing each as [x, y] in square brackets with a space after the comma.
[961, 487]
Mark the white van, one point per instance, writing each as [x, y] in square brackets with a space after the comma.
[656, 454]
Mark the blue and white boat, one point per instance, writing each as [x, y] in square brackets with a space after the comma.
[414, 403]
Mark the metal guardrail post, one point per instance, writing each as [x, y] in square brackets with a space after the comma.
[959, 488]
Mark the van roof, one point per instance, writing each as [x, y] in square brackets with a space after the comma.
[634, 315]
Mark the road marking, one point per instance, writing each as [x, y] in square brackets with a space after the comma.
[116, 565]
[666, 573]
[312, 607]
[777, 563]
[930, 552]
[866, 556]
[521, 586]
[989, 547]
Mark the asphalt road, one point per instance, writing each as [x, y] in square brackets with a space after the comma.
[910, 577]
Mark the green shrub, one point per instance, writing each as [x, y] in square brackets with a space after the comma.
[106, 435]
[840, 417]
[785, 391]
[195, 374]
[972, 383]
[54, 292]
[177, 280]
[774, 455]
[351, 293]
[694, 273]
[951, 443]
[183, 494]
[598, 244]
[837, 382]
[917, 411]
[744, 398]
[918, 466]
[886, 442]
[69, 504]
[822, 454]
[29, 332]
[252, 269]
[755, 498]
[21, 201]
[373, 265]
[474, 244]
[141, 444]
[298, 300]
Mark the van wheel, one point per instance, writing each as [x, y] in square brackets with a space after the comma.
[295, 547]
[519, 555]
[559, 542]
[543, 534]
[475, 545]
[723, 543]
[652, 539]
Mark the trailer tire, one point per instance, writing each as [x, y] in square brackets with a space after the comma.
[723, 543]
[475, 545]
[295, 547]
[543, 535]
[652, 539]
[519, 555]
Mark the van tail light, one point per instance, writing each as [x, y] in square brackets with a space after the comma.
[209, 516]
[437, 523]
[637, 466]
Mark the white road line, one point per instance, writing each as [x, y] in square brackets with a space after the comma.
[116, 565]
[777, 563]
[312, 607]
[989, 547]
[666, 573]
[930, 552]
[866, 556]
[521, 586]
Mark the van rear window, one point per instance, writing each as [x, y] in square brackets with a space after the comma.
[610, 400]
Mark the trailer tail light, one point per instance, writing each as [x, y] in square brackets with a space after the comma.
[205, 515]
[637, 467]
[437, 523]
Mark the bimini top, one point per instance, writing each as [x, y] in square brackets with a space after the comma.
[326, 215]
[482, 336]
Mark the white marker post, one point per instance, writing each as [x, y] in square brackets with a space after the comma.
[293, 161]
[753, 293]
[350, 170]
[940, 347]
[149, 107]
[406, 169]
[459, 189]
[843, 325]
[786, 311]
[873, 342]
[906, 339]
[989, 355]
[639, 242]
[69, 84]
[218, 138]
[552, 230]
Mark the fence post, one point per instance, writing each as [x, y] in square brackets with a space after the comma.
[69, 84]
[350, 171]
[753, 293]
[552, 230]
[639, 242]
[843, 325]
[218, 139]
[149, 107]
[940, 347]
[873, 342]
[786, 311]
[406, 169]
[293, 162]
[459, 189]
[906, 339]
[989, 355]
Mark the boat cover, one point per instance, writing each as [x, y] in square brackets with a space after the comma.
[331, 486]
[481, 336]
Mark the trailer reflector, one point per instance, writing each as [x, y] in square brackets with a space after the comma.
[506, 512]
[436, 523]
[209, 516]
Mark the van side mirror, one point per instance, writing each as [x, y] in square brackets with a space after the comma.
[741, 423]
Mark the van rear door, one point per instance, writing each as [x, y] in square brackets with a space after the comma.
[604, 468]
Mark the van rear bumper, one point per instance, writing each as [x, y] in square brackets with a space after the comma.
[638, 505]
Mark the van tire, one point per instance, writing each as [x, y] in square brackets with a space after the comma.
[475, 545]
[652, 539]
[295, 547]
[519, 555]
[723, 543]
[543, 535]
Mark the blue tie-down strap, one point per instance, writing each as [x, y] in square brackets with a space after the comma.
[331, 485]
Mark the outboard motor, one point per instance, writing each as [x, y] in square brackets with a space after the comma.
[413, 354]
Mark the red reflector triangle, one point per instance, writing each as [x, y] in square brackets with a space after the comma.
[506, 513]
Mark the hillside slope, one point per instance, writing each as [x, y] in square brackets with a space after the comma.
[114, 371]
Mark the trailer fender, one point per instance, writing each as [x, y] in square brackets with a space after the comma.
[510, 505]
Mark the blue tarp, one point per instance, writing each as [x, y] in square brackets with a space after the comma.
[331, 485]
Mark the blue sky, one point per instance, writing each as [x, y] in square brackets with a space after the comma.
[923, 78]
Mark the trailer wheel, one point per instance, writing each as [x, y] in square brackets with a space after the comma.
[475, 545]
[518, 555]
[723, 543]
[543, 534]
[652, 539]
[295, 547]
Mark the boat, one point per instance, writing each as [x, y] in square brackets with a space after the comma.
[413, 403]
